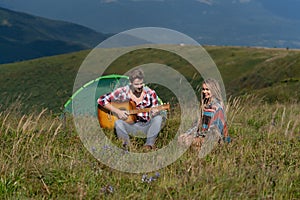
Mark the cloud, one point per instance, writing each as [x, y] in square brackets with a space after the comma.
[208, 2]
[147, 0]
[244, 1]
[113, 1]
[108, 1]
[241, 1]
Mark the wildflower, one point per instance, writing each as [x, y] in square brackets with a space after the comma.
[151, 178]
[106, 147]
[144, 178]
[125, 151]
[107, 189]
[93, 149]
[157, 174]
[110, 189]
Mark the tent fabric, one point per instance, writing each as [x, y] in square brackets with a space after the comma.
[101, 85]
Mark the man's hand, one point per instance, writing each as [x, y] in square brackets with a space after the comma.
[122, 114]
[154, 111]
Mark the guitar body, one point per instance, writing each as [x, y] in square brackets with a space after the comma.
[107, 118]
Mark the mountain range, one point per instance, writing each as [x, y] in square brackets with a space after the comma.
[214, 22]
[24, 36]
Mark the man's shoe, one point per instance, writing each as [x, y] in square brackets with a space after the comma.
[149, 147]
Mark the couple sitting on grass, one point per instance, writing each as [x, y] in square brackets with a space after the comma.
[149, 123]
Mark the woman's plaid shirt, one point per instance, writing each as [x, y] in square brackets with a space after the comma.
[122, 94]
[213, 115]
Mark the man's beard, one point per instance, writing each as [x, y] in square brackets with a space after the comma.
[138, 91]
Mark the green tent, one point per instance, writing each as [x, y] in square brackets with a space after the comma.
[97, 87]
[88, 94]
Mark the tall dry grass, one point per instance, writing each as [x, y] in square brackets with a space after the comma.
[42, 157]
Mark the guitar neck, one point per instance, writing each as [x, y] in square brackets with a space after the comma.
[162, 107]
[133, 112]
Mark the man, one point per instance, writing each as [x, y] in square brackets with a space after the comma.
[148, 123]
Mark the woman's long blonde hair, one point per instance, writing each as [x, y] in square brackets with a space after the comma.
[215, 89]
[216, 95]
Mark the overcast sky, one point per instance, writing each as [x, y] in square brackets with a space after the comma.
[96, 13]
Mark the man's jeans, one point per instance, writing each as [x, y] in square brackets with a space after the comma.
[148, 129]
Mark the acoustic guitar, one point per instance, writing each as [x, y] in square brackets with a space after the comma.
[107, 118]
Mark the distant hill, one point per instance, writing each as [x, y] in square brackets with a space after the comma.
[272, 74]
[24, 36]
[211, 22]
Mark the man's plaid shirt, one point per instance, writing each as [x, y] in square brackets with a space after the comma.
[122, 94]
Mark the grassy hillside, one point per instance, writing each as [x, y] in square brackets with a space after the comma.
[42, 157]
[48, 82]
[274, 73]
[40, 83]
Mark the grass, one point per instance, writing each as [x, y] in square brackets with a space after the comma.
[40, 82]
[48, 82]
[42, 157]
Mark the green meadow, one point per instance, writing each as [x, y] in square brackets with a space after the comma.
[42, 156]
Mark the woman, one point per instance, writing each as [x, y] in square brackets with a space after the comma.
[212, 120]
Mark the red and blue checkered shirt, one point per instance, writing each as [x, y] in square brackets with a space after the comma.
[122, 94]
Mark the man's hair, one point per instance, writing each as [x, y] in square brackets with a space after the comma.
[136, 74]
